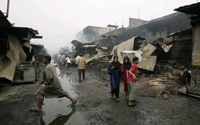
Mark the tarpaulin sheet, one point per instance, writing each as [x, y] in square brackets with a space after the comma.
[148, 49]
[125, 46]
[148, 63]
[9, 62]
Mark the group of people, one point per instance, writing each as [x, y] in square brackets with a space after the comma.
[53, 89]
[68, 61]
[127, 73]
[65, 60]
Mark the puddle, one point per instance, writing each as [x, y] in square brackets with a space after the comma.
[57, 111]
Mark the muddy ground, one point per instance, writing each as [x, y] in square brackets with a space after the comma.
[94, 105]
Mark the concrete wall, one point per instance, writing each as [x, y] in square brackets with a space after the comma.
[182, 52]
[196, 51]
[136, 22]
[158, 28]
[161, 27]
[90, 33]
[196, 45]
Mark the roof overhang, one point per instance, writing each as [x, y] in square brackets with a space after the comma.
[193, 9]
[24, 32]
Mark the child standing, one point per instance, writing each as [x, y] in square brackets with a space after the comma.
[132, 82]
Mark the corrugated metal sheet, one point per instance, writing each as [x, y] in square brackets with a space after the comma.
[166, 48]
[148, 62]
[190, 9]
[148, 49]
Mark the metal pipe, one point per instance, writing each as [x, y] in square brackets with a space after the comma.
[8, 5]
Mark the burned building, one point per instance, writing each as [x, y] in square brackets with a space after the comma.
[89, 33]
[158, 28]
[16, 52]
[84, 48]
[39, 51]
[129, 45]
[194, 11]
[136, 22]
[181, 47]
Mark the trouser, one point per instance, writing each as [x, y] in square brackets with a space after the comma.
[79, 73]
[132, 86]
[68, 65]
[115, 86]
[115, 91]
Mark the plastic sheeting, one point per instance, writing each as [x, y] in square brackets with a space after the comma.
[125, 46]
[9, 62]
[14, 56]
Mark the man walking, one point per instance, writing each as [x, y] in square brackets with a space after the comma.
[52, 88]
[81, 62]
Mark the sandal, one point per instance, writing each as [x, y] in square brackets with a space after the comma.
[117, 99]
[131, 104]
[35, 109]
[73, 103]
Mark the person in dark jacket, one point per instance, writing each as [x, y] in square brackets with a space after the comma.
[114, 70]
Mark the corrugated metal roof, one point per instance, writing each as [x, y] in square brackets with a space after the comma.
[23, 31]
[190, 9]
[184, 32]
[4, 22]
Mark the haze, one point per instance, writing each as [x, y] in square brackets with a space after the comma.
[58, 21]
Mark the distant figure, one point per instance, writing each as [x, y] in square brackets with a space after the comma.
[114, 70]
[132, 82]
[52, 88]
[81, 62]
[125, 67]
[68, 59]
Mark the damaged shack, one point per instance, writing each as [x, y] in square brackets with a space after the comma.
[84, 48]
[193, 10]
[16, 53]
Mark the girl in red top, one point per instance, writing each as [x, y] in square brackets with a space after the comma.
[132, 83]
[125, 67]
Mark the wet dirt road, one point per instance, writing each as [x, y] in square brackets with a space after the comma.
[95, 107]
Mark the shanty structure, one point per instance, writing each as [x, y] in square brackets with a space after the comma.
[39, 51]
[194, 11]
[129, 45]
[84, 48]
[90, 33]
[16, 52]
[180, 47]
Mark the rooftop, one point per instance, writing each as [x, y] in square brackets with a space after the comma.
[193, 9]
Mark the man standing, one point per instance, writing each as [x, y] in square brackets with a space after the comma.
[81, 62]
[52, 88]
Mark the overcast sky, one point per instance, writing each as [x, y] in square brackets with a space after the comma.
[58, 21]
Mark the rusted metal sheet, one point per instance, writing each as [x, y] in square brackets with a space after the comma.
[148, 49]
[148, 62]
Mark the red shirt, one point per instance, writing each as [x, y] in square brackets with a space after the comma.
[133, 69]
